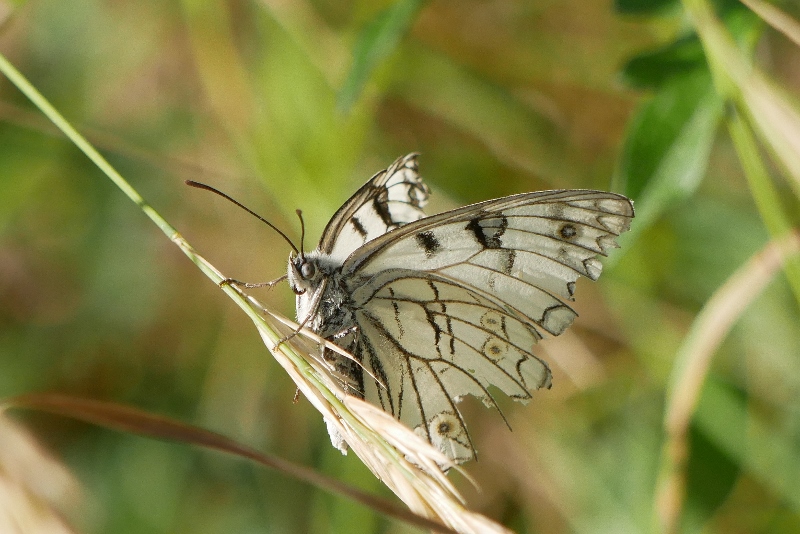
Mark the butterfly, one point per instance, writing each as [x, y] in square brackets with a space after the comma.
[434, 308]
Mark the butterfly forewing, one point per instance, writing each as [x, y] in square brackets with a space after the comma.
[450, 305]
[528, 250]
[390, 199]
[569, 227]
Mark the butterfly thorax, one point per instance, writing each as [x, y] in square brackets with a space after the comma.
[325, 306]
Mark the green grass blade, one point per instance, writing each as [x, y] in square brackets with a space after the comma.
[375, 44]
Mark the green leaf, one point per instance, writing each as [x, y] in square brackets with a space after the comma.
[655, 68]
[711, 471]
[375, 44]
[667, 147]
[768, 451]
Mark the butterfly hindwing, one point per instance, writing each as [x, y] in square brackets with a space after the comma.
[438, 342]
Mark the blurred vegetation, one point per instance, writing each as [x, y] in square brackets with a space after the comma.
[290, 105]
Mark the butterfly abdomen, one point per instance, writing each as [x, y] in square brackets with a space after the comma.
[335, 321]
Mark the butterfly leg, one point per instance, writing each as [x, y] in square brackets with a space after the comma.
[249, 285]
[338, 335]
[284, 339]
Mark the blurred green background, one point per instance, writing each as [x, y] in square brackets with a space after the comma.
[288, 105]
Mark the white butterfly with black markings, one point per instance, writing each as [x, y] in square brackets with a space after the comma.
[436, 308]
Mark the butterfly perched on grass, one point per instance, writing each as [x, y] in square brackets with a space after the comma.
[436, 308]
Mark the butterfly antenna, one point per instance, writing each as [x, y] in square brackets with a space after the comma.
[245, 208]
[302, 231]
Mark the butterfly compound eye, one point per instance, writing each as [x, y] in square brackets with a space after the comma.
[307, 270]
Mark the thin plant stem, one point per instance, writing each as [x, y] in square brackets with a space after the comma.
[738, 82]
[692, 363]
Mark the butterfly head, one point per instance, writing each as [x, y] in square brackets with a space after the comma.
[305, 272]
[308, 275]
